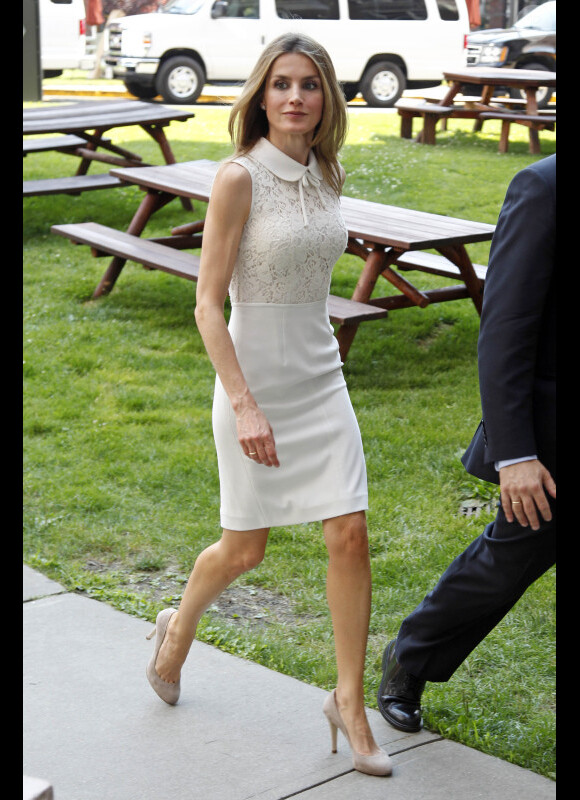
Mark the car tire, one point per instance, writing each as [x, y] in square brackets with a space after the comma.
[350, 91]
[382, 84]
[180, 80]
[140, 91]
[544, 93]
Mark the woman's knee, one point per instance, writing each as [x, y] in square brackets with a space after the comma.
[347, 536]
[249, 559]
[244, 553]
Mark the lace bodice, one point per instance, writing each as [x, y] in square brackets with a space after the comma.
[294, 233]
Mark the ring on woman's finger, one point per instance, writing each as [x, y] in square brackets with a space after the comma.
[254, 453]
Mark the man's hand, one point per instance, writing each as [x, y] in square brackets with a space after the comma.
[523, 492]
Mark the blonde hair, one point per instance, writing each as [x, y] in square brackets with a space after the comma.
[248, 122]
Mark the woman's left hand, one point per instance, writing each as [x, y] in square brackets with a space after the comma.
[256, 436]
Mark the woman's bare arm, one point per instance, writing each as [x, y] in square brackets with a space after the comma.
[227, 213]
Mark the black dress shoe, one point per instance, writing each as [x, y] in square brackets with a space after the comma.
[399, 696]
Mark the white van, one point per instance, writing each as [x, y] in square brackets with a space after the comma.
[62, 36]
[378, 47]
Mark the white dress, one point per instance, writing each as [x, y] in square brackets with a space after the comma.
[289, 355]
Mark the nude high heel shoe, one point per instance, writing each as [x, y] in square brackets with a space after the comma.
[166, 691]
[379, 764]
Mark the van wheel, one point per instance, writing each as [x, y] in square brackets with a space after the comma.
[142, 92]
[180, 80]
[350, 91]
[382, 84]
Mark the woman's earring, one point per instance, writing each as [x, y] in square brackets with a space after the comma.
[262, 106]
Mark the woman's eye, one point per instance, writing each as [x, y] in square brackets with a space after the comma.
[308, 85]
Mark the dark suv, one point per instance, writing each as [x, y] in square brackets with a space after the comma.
[530, 44]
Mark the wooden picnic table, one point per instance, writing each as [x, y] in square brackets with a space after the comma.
[82, 126]
[489, 78]
[389, 240]
[485, 81]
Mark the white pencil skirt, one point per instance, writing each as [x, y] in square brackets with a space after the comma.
[290, 359]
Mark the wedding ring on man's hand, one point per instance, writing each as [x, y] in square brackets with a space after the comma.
[516, 502]
[253, 454]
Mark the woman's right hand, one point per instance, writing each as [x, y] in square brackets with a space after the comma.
[256, 436]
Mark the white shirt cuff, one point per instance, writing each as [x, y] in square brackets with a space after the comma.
[509, 461]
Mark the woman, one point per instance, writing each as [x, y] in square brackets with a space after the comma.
[288, 444]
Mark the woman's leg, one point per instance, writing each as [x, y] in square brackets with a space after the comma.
[215, 568]
[349, 599]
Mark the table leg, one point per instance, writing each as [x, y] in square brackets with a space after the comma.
[406, 125]
[458, 255]
[156, 132]
[151, 202]
[89, 153]
[106, 144]
[106, 158]
[427, 134]
[377, 262]
[531, 102]
[486, 95]
[504, 139]
[532, 108]
[453, 90]
[91, 145]
[429, 124]
[416, 297]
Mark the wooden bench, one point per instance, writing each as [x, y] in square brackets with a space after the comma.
[62, 144]
[434, 264]
[535, 122]
[74, 184]
[165, 256]
[518, 102]
[464, 107]
[431, 113]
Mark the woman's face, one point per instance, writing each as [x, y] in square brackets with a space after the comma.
[293, 96]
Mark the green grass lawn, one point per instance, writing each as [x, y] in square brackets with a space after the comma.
[121, 484]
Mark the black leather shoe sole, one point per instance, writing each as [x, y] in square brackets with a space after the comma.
[395, 722]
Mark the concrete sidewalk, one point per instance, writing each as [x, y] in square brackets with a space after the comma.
[94, 729]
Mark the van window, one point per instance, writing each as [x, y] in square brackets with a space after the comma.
[387, 9]
[448, 9]
[307, 9]
[181, 7]
[244, 8]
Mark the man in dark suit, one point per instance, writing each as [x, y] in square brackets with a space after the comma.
[514, 445]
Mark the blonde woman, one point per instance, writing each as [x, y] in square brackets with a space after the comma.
[288, 444]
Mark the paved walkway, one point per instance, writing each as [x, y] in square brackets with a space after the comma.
[94, 729]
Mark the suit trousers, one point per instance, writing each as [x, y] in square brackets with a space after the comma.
[475, 592]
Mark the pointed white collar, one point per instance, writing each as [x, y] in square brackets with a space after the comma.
[282, 165]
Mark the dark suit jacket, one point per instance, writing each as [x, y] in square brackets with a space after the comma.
[517, 337]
